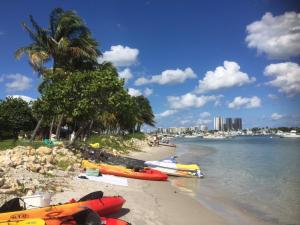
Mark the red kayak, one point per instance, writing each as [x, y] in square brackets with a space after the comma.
[55, 213]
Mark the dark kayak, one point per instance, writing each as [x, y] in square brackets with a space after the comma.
[100, 156]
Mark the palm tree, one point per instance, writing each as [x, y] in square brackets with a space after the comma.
[67, 42]
[144, 113]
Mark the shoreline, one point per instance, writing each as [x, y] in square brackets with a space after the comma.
[148, 202]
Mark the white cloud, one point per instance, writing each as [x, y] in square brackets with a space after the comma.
[225, 76]
[167, 113]
[204, 121]
[287, 77]
[277, 36]
[125, 74]
[185, 122]
[240, 102]
[276, 116]
[272, 96]
[134, 92]
[1, 78]
[18, 82]
[148, 92]
[205, 115]
[25, 98]
[120, 55]
[168, 77]
[190, 100]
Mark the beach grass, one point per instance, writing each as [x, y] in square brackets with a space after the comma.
[11, 143]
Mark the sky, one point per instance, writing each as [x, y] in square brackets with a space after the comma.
[193, 60]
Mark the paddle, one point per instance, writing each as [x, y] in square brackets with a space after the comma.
[36, 221]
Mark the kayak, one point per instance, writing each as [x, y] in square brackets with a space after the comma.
[172, 165]
[66, 221]
[100, 155]
[167, 144]
[121, 171]
[54, 213]
[179, 173]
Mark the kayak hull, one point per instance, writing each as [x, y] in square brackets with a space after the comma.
[179, 173]
[145, 174]
[103, 206]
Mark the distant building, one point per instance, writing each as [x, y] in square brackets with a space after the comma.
[218, 123]
[237, 124]
[228, 124]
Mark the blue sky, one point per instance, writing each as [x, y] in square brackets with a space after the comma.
[193, 59]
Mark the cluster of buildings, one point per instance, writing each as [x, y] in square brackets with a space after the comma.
[182, 130]
[220, 124]
[227, 124]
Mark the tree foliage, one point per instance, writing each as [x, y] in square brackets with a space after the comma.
[15, 116]
[76, 89]
[67, 42]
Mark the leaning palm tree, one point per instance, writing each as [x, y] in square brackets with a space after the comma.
[144, 114]
[67, 42]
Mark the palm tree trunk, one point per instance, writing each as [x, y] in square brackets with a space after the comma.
[57, 134]
[51, 127]
[36, 129]
[89, 130]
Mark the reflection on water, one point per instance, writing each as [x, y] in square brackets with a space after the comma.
[258, 175]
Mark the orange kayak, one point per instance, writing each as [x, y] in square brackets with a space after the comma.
[121, 171]
[53, 215]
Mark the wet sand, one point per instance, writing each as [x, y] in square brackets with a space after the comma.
[148, 202]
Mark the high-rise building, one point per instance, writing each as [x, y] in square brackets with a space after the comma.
[218, 123]
[228, 124]
[237, 124]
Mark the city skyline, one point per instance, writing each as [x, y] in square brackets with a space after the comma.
[181, 56]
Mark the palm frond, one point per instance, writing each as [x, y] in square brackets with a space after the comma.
[55, 16]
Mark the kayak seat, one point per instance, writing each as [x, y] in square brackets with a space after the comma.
[92, 196]
[11, 206]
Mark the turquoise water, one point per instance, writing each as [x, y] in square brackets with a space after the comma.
[254, 176]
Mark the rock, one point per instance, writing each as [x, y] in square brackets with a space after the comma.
[43, 150]
[7, 191]
[42, 171]
[2, 172]
[59, 189]
[2, 181]
[29, 192]
[70, 168]
[5, 186]
[30, 151]
[50, 172]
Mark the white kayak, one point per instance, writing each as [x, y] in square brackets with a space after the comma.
[179, 173]
[170, 167]
[173, 165]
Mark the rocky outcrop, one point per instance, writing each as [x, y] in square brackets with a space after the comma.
[26, 170]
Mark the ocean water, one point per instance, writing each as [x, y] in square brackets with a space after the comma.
[247, 179]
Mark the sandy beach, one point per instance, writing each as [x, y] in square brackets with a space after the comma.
[148, 202]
